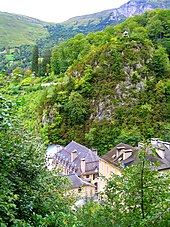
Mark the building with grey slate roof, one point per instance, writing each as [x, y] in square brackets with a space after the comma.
[77, 182]
[119, 154]
[124, 155]
[80, 160]
[81, 187]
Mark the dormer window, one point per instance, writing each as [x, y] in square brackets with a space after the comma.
[127, 154]
[118, 151]
[120, 159]
[120, 148]
[114, 156]
[161, 152]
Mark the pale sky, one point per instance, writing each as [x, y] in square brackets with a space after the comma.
[57, 11]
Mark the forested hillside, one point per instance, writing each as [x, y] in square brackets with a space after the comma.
[19, 33]
[17, 30]
[101, 89]
[112, 86]
[115, 86]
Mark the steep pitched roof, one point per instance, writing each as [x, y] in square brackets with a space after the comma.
[76, 146]
[114, 158]
[90, 157]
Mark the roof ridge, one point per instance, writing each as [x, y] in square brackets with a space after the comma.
[64, 150]
[120, 144]
[79, 144]
[92, 161]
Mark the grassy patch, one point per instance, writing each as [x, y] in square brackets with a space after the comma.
[9, 57]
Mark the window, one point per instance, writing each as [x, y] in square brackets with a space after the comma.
[107, 169]
[114, 156]
[95, 187]
[79, 189]
[95, 176]
[120, 159]
[87, 176]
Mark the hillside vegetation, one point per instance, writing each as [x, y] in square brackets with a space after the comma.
[17, 30]
[101, 89]
[110, 87]
[19, 33]
[115, 87]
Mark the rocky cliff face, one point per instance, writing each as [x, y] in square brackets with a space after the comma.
[135, 7]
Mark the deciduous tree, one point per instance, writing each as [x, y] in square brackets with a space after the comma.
[140, 196]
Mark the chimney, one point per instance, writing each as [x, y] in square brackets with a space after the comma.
[127, 154]
[73, 155]
[94, 150]
[58, 148]
[83, 163]
[154, 142]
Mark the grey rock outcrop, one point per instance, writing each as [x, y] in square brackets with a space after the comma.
[134, 7]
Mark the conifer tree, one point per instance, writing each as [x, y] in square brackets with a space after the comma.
[46, 63]
[34, 65]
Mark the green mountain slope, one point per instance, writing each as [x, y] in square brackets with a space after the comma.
[17, 30]
[117, 88]
[110, 86]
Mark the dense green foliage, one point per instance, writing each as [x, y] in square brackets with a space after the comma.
[29, 194]
[45, 67]
[114, 86]
[101, 89]
[109, 85]
[139, 197]
[34, 62]
[10, 58]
